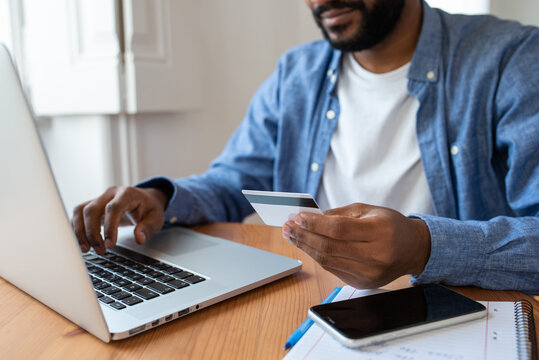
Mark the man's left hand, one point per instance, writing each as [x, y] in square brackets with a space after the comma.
[365, 246]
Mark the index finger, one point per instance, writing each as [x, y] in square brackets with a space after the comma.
[119, 206]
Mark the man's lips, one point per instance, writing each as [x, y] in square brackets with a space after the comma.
[334, 17]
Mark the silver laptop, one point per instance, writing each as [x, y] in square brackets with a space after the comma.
[132, 288]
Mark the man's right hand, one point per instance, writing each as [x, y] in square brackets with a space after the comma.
[115, 207]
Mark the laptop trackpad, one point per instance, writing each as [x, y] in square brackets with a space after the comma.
[173, 241]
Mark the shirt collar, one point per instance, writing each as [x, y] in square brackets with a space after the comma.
[426, 59]
[424, 65]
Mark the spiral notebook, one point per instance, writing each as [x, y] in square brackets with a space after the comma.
[507, 332]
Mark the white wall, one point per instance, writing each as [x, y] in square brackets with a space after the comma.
[241, 42]
[525, 11]
[79, 151]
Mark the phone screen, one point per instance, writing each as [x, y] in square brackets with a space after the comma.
[395, 310]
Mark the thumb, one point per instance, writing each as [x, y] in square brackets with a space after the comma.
[141, 233]
[148, 225]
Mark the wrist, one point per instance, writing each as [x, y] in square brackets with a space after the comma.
[159, 196]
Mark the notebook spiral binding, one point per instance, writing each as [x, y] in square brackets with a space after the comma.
[525, 325]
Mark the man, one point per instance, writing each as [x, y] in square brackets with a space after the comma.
[403, 107]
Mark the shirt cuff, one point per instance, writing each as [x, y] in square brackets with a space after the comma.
[457, 252]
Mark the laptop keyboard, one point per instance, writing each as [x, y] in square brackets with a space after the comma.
[122, 277]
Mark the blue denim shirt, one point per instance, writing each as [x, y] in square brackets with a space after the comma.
[477, 82]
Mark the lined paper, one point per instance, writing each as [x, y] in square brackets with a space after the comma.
[493, 337]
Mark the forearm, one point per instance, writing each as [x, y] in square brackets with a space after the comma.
[211, 197]
[501, 253]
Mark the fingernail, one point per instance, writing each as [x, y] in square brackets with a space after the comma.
[286, 234]
[108, 243]
[143, 236]
[300, 220]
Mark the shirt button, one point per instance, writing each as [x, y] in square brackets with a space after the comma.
[330, 72]
[333, 78]
[431, 75]
[330, 114]
[315, 166]
[454, 150]
[173, 220]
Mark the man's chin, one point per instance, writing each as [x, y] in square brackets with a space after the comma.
[339, 36]
[341, 43]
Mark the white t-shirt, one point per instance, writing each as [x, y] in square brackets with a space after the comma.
[374, 156]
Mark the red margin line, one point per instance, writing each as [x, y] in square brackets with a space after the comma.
[315, 344]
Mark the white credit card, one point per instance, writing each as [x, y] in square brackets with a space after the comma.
[276, 208]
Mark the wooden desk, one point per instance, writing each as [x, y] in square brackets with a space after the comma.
[254, 325]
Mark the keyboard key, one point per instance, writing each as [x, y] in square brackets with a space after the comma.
[171, 270]
[165, 278]
[160, 288]
[117, 305]
[178, 284]
[120, 295]
[107, 264]
[145, 270]
[126, 272]
[92, 269]
[112, 277]
[132, 300]
[134, 277]
[106, 300]
[132, 287]
[117, 268]
[193, 279]
[155, 274]
[182, 274]
[90, 257]
[103, 273]
[160, 266]
[110, 290]
[137, 266]
[122, 282]
[98, 261]
[98, 294]
[116, 258]
[121, 261]
[94, 280]
[129, 263]
[146, 294]
[101, 285]
[145, 281]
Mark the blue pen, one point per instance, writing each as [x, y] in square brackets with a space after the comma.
[307, 323]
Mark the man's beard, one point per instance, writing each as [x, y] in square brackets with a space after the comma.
[378, 22]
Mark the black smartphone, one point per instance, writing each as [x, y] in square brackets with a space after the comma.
[375, 318]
